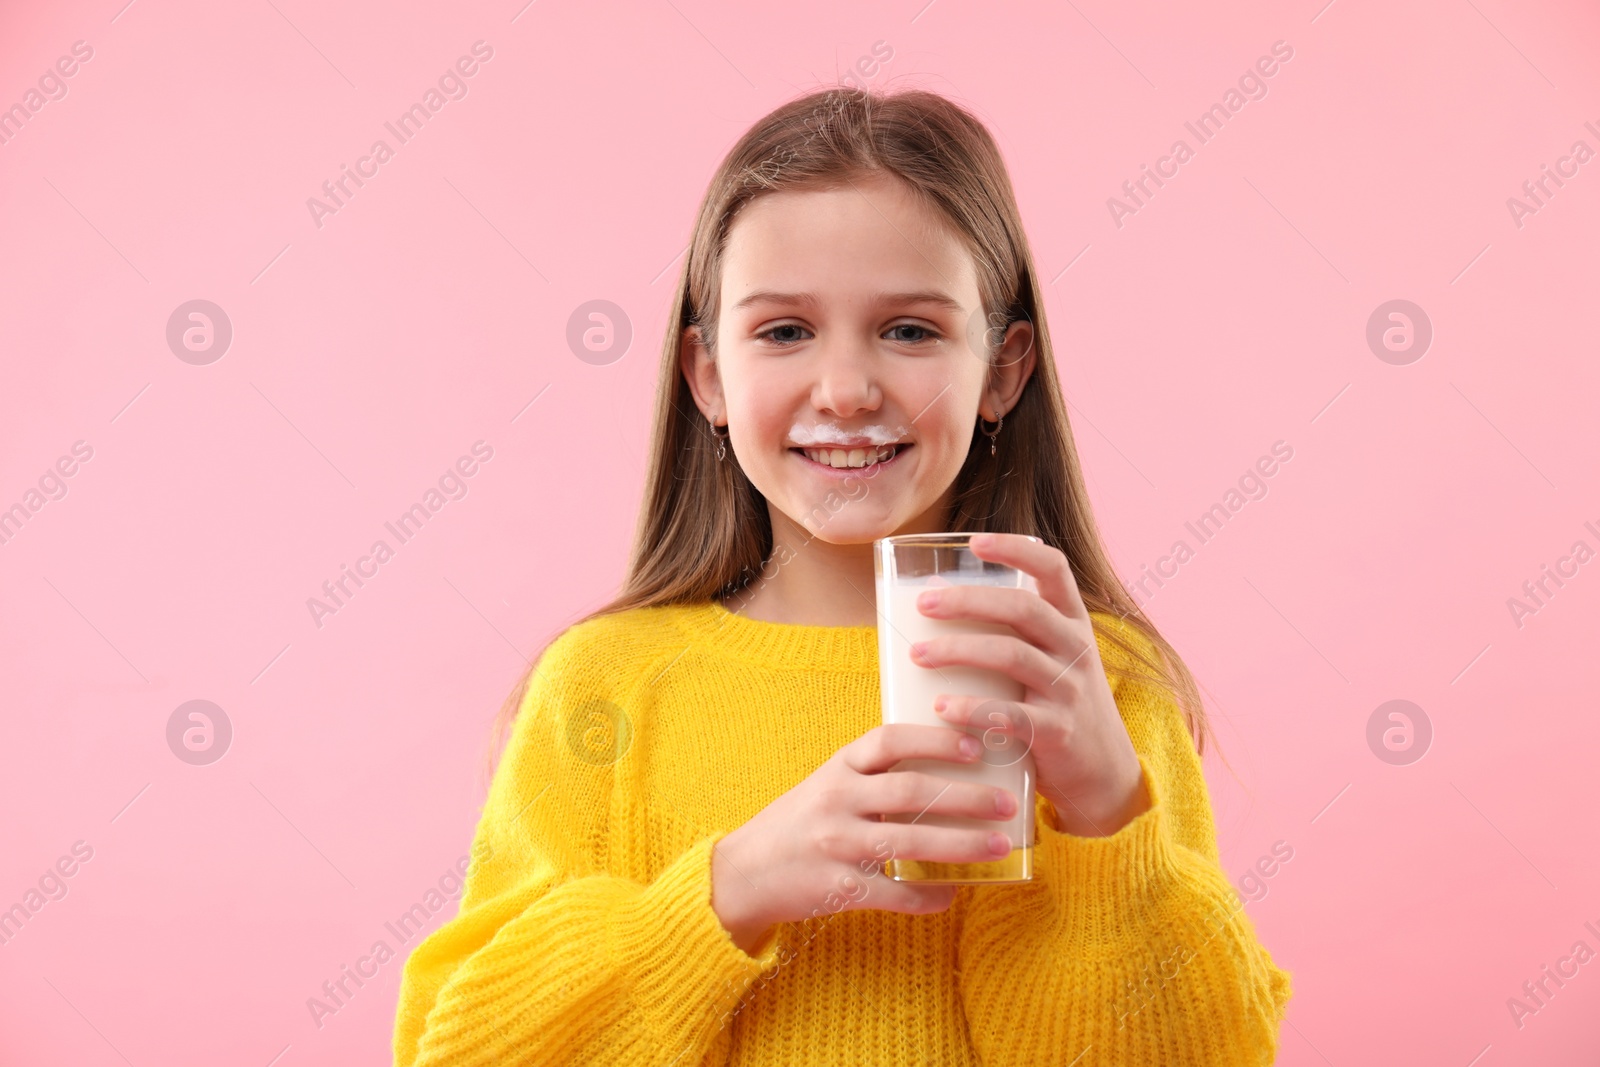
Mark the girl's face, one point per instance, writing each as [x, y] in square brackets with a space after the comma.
[849, 369]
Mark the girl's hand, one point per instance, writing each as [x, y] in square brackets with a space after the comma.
[821, 848]
[1068, 718]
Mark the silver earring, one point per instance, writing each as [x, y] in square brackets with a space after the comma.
[992, 434]
[722, 441]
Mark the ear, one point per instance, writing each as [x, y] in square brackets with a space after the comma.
[700, 371]
[1012, 367]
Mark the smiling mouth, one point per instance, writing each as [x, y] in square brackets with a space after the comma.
[852, 458]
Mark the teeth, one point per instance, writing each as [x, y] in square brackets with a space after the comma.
[854, 458]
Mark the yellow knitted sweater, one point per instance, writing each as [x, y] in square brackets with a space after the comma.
[585, 933]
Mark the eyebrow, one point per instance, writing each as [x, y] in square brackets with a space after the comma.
[809, 300]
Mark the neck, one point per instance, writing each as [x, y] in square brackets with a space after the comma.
[812, 582]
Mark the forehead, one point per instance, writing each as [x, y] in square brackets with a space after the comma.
[871, 236]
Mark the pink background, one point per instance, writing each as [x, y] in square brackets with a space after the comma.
[368, 354]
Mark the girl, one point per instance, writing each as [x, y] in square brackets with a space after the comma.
[680, 859]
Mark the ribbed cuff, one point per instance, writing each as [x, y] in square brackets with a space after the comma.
[683, 962]
[1105, 892]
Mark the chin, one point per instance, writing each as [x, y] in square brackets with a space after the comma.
[833, 535]
[838, 527]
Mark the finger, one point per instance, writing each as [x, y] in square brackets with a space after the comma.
[881, 747]
[1033, 618]
[1046, 563]
[916, 794]
[1011, 656]
[1012, 718]
[937, 844]
[908, 898]
[922, 899]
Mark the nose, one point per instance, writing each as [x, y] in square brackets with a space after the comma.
[846, 380]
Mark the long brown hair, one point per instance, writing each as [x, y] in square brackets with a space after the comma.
[704, 529]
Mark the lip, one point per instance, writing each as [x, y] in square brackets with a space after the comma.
[841, 473]
[851, 442]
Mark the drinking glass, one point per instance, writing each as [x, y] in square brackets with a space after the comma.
[905, 566]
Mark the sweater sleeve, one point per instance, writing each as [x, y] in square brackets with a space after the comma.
[1127, 949]
[553, 957]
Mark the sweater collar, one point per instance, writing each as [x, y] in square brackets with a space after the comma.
[781, 644]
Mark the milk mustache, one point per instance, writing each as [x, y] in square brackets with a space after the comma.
[908, 692]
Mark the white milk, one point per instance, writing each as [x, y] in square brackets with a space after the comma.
[908, 694]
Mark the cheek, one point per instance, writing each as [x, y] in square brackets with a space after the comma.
[953, 446]
[948, 394]
[949, 438]
[764, 437]
[760, 412]
[756, 409]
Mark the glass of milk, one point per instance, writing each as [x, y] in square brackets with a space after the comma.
[906, 566]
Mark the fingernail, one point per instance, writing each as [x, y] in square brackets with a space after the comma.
[940, 703]
[928, 600]
[970, 746]
[999, 843]
[1004, 803]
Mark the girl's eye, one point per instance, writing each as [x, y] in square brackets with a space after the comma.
[784, 343]
[913, 326]
[787, 341]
